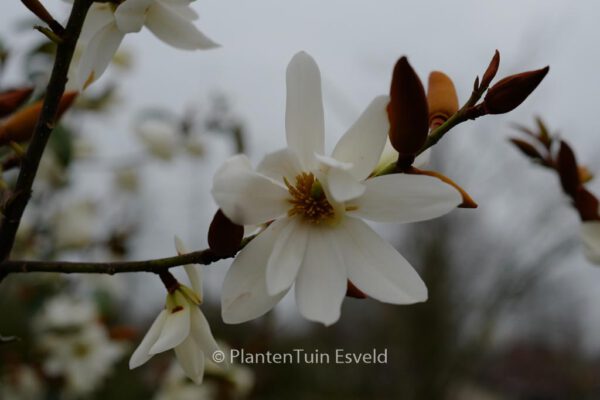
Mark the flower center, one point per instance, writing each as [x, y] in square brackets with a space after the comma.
[308, 199]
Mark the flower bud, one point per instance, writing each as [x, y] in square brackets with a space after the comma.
[587, 205]
[490, 72]
[12, 99]
[353, 291]
[568, 170]
[585, 175]
[224, 237]
[510, 92]
[441, 98]
[527, 148]
[19, 126]
[407, 110]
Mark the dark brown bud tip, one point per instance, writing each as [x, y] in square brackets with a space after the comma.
[510, 92]
[407, 110]
[490, 72]
[353, 291]
[224, 237]
[568, 170]
[587, 205]
[527, 148]
[11, 100]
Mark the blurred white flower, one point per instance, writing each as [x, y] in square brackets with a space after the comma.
[76, 346]
[106, 25]
[590, 235]
[317, 240]
[21, 383]
[239, 376]
[176, 386]
[75, 225]
[64, 312]
[159, 137]
[181, 326]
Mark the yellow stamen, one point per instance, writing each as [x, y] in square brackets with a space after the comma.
[308, 199]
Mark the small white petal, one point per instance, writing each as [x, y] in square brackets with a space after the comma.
[280, 164]
[175, 30]
[142, 353]
[176, 328]
[98, 54]
[244, 295]
[376, 268]
[203, 336]
[131, 14]
[304, 120]
[97, 18]
[363, 144]
[405, 198]
[191, 359]
[321, 283]
[193, 272]
[287, 256]
[247, 197]
[343, 186]
[590, 235]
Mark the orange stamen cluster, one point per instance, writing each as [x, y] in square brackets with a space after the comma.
[308, 199]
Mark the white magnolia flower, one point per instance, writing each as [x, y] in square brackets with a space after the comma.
[84, 357]
[180, 326]
[176, 386]
[106, 25]
[590, 235]
[317, 240]
[159, 137]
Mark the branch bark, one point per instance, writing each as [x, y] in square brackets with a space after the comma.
[16, 204]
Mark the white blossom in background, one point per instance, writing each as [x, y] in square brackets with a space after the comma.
[181, 326]
[21, 383]
[107, 24]
[240, 377]
[75, 225]
[317, 240]
[159, 137]
[176, 386]
[76, 346]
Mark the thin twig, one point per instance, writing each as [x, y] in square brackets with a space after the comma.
[16, 204]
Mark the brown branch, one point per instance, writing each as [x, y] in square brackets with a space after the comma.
[15, 206]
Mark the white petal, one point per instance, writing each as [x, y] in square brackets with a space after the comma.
[244, 295]
[247, 197]
[182, 8]
[343, 186]
[405, 198]
[97, 18]
[590, 235]
[321, 283]
[280, 164]
[98, 54]
[142, 353]
[131, 14]
[287, 256]
[376, 268]
[363, 144]
[203, 336]
[176, 328]
[193, 272]
[304, 120]
[330, 162]
[191, 359]
[175, 30]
